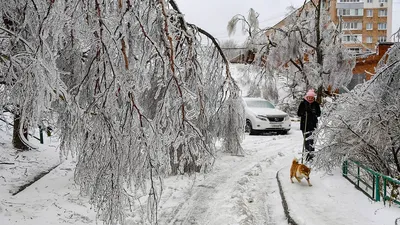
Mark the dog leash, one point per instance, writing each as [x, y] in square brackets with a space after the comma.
[304, 138]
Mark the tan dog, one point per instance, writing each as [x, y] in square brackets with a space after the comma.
[299, 171]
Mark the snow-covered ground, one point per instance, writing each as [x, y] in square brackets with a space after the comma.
[240, 190]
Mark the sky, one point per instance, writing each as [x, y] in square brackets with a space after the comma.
[239, 190]
[213, 15]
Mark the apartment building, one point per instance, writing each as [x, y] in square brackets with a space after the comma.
[363, 22]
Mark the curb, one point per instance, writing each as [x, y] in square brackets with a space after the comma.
[35, 178]
[284, 203]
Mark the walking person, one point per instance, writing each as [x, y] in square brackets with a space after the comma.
[309, 111]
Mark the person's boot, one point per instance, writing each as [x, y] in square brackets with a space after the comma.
[309, 157]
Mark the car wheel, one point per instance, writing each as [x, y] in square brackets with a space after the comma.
[249, 128]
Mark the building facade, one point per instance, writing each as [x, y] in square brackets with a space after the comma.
[364, 22]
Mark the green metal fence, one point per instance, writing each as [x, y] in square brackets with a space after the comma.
[370, 182]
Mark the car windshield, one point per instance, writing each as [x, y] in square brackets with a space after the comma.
[259, 104]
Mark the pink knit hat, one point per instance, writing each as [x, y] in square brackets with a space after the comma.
[310, 93]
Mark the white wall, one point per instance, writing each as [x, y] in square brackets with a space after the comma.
[389, 20]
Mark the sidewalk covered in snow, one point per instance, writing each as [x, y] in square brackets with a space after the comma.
[332, 200]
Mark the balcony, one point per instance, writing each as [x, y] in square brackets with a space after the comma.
[350, 12]
[349, 5]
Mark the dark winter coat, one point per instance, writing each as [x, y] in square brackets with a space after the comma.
[312, 111]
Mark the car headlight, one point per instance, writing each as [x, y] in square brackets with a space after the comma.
[263, 118]
[287, 118]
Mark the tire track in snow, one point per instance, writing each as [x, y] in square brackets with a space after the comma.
[268, 209]
[194, 208]
[250, 183]
[265, 207]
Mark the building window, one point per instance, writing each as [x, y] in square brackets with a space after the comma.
[381, 1]
[382, 12]
[352, 26]
[381, 26]
[369, 1]
[354, 50]
[369, 39]
[370, 13]
[350, 12]
[382, 38]
[369, 26]
[355, 38]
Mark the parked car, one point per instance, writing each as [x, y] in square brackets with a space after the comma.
[261, 115]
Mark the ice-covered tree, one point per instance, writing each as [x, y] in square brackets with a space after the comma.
[262, 84]
[364, 124]
[136, 94]
[250, 24]
[231, 48]
[305, 49]
[28, 74]
[309, 50]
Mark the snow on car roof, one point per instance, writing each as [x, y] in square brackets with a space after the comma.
[254, 98]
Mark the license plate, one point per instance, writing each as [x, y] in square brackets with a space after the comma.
[276, 125]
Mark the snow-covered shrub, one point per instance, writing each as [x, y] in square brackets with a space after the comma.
[364, 124]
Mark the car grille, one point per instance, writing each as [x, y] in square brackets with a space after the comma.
[276, 119]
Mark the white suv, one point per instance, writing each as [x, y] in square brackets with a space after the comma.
[261, 115]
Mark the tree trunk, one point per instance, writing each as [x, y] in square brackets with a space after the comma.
[189, 166]
[17, 142]
[319, 50]
[319, 94]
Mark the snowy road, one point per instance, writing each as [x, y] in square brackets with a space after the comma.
[241, 190]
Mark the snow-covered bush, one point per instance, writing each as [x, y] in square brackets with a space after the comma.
[364, 124]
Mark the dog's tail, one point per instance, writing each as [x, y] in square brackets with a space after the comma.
[295, 161]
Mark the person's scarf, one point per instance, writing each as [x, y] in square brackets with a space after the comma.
[309, 101]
